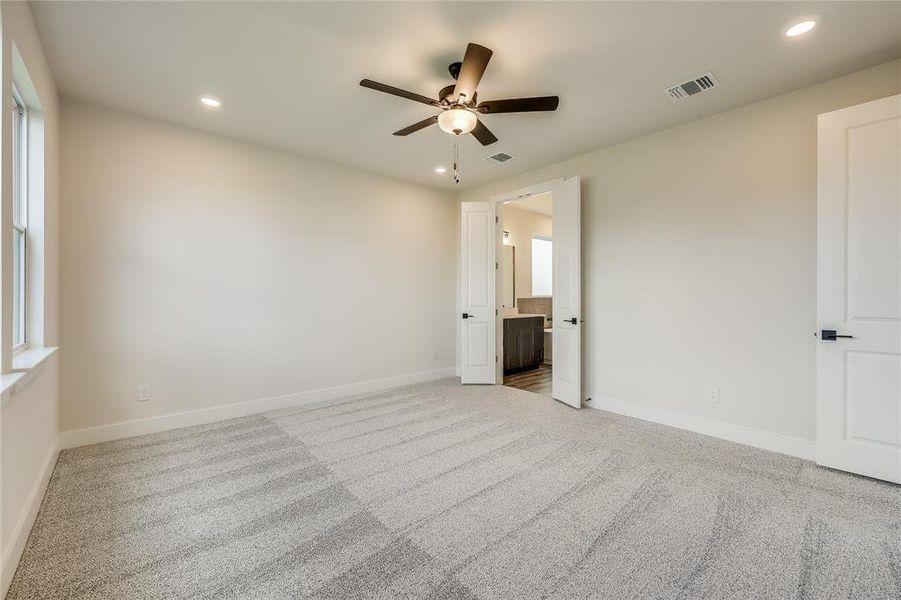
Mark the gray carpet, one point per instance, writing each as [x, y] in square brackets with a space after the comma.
[443, 491]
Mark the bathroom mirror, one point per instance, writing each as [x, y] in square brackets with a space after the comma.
[509, 271]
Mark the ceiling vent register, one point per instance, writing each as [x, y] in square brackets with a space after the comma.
[692, 87]
[500, 158]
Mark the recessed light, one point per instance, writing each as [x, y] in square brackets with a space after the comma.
[210, 102]
[800, 28]
[440, 170]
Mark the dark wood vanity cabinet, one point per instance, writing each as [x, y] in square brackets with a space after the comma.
[523, 343]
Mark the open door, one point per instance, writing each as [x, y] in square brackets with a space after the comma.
[567, 323]
[859, 289]
[478, 357]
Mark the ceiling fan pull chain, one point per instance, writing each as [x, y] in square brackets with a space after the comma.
[456, 161]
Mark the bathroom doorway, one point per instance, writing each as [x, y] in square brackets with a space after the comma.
[482, 286]
[525, 292]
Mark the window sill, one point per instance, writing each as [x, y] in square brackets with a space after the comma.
[31, 358]
[26, 365]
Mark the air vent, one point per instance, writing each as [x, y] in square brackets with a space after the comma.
[692, 87]
[500, 158]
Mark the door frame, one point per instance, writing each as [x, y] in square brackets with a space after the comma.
[554, 186]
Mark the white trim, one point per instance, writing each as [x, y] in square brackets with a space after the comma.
[26, 366]
[740, 434]
[552, 185]
[114, 431]
[8, 383]
[21, 531]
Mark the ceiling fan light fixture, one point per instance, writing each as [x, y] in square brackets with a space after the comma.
[457, 121]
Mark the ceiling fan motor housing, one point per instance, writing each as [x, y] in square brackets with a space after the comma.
[446, 95]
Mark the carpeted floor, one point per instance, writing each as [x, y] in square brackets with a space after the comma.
[443, 491]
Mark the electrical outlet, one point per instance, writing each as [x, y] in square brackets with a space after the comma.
[143, 393]
[434, 355]
[713, 394]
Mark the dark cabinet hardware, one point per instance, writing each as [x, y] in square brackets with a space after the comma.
[829, 335]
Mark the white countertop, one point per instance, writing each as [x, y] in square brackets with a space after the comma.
[522, 316]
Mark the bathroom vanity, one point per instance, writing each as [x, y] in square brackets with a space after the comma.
[523, 342]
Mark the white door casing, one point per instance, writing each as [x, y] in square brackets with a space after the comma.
[859, 289]
[567, 322]
[478, 283]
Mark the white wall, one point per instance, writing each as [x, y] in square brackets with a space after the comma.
[522, 224]
[699, 258]
[28, 418]
[217, 271]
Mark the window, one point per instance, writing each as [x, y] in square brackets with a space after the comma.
[542, 266]
[20, 218]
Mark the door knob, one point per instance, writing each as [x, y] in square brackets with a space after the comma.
[468, 316]
[574, 321]
[829, 335]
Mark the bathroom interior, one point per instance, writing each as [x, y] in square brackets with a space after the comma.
[526, 281]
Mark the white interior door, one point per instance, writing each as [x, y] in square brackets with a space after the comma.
[567, 323]
[478, 357]
[858, 295]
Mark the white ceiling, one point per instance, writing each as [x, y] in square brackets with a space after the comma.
[288, 73]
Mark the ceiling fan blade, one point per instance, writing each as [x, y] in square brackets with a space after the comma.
[515, 105]
[483, 134]
[417, 126]
[388, 89]
[474, 63]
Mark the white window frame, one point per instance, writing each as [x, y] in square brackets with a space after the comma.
[546, 238]
[20, 221]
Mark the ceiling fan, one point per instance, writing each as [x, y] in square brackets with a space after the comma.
[459, 102]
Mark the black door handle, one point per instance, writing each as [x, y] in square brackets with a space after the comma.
[830, 335]
[468, 316]
[574, 321]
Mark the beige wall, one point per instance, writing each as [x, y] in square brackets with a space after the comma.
[217, 271]
[699, 258]
[522, 224]
[28, 418]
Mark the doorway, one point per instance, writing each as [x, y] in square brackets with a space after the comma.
[482, 288]
[525, 292]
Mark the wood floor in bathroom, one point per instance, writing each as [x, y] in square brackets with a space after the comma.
[537, 380]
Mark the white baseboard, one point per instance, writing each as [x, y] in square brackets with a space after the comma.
[22, 529]
[115, 431]
[740, 434]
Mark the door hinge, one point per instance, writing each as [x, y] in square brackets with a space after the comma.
[495, 312]
[495, 358]
[495, 219]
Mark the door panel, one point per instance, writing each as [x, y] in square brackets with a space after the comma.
[874, 384]
[858, 295]
[478, 362]
[567, 335]
[873, 261]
